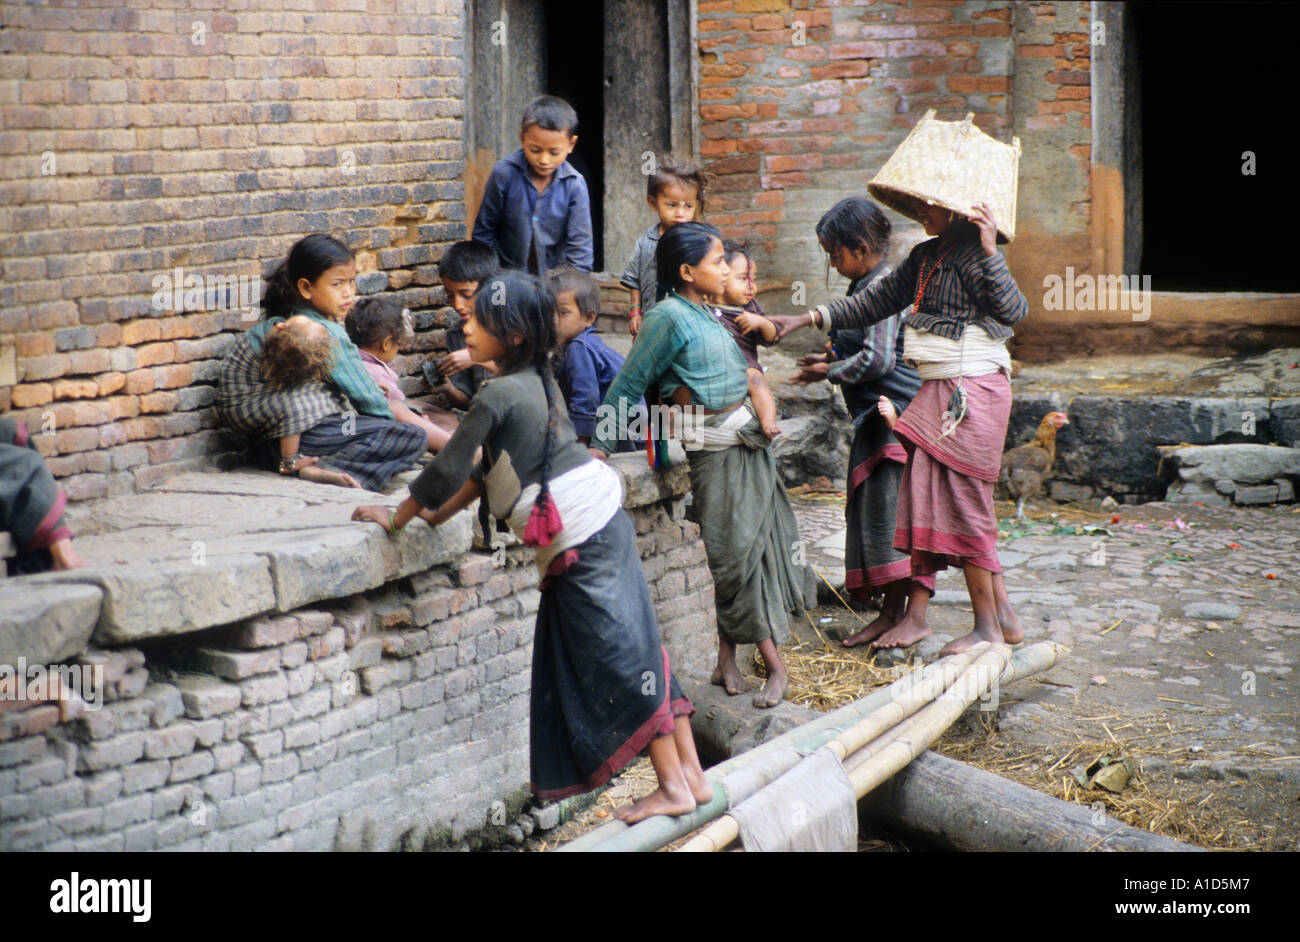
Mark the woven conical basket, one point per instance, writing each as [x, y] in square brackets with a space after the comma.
[955, 165]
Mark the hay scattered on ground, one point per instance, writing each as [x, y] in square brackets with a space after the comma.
[1183, 812]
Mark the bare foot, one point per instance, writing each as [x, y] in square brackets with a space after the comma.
[727, 674]
[771, 430]
[325, 476]
[728, 677]
[64, 556]
[658, 801]
[701, 790]
[905, 634]
[773, 691]
[871, 631]
[991, 631]
[1012, 632]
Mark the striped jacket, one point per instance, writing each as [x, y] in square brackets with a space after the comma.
[968, 288]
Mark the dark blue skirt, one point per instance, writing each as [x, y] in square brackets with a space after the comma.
[602, 688]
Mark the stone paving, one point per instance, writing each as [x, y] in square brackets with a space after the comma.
[1183, 623]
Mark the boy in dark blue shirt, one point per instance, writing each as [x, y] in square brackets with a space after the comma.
[586, 367]
[535, 211]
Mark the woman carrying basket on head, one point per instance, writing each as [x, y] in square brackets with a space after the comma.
[964, 301]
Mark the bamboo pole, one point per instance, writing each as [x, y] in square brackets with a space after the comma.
[655, 832]
[892, 749]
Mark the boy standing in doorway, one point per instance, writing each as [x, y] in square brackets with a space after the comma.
[536, 212]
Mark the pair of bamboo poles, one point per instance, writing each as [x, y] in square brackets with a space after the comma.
[874, 737]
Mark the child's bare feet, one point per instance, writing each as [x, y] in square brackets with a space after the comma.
[1012, 631]
[871, 631]
[773, 691]
[983, 631]
[887, 411]
[726, 674]
[910, 629]
[771, 429]
[326, 476]
[63, 556]
[663, 800]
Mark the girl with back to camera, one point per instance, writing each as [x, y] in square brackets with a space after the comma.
[602, 689]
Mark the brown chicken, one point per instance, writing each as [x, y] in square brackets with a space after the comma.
[1025, 470]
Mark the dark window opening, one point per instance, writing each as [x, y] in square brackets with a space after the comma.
[574, 71]
[1216, 82]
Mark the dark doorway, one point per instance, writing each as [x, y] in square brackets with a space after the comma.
[1216, 82]
[574, 71]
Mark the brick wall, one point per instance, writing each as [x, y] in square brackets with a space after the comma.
[135, 142]
[392, 718]
[801, 103]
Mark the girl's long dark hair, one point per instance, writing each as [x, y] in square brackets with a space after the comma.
[518, 309]
[684, 244]
[310, 257]
[852, 223]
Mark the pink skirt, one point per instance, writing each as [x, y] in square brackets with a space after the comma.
[945, 499]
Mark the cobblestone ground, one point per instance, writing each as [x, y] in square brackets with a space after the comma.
[1184, 625]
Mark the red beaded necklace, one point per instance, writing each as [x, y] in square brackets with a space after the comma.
[924, 281]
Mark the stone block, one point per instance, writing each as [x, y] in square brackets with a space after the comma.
[119, 751]
[168, 703]
[238, 665]
[206, 696]
[46, 624]
[172, 597]
[1244, 463]
[1257, 494]
[1285, 489]
[311, 565]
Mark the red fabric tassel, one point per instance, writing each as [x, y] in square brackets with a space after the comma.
[543, 523]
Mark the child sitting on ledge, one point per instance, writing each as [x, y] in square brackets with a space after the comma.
[377, 326]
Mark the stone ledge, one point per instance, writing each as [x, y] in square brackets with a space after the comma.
[209, 549]
[46, 624]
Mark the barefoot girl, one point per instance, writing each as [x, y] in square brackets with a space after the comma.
[602, 689]
[749, 530]
[964, 302]
[321, 436]
[867, 364]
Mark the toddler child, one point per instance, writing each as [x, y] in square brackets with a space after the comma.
[462, 269]
[586, 365]
[536, 212]
[675, 191]
[377, 326]
[744, 319]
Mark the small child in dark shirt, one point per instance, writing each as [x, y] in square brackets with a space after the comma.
[462, 269]
[585, 365]
[742, 316]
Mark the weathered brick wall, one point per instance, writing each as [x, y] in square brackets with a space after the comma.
[398, 717]
[800, 105]
[138, 141]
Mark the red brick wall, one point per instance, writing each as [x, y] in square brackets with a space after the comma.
[135, 141]
[788, 128]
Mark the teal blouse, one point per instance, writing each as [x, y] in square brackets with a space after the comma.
[349, 373]
[680, 344]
